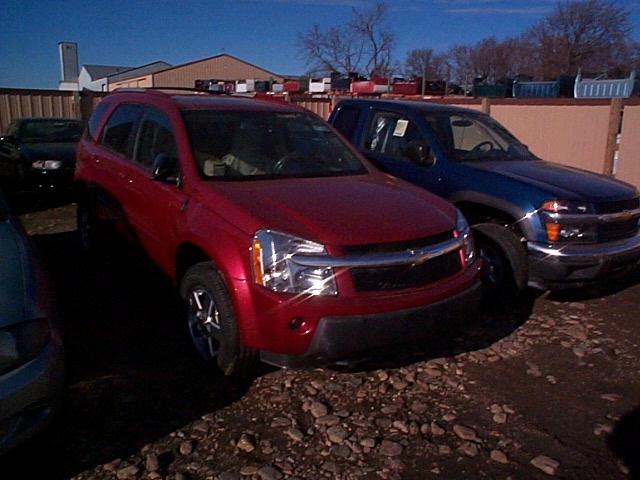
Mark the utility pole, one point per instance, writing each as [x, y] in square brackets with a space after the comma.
[424, 79]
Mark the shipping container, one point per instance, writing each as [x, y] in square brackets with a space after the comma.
[320, 85]
[375, 85]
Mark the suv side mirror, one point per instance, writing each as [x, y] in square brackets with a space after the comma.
[420, 153]
[164, 169]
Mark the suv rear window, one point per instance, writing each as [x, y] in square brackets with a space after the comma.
[249, 144]
[120, 129]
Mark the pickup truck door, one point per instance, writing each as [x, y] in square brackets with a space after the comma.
[384, 141]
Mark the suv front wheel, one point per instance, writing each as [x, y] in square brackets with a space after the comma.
[211, 321]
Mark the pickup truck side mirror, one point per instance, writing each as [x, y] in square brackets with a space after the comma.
[8, 139]
[164, 169]
[420, 153]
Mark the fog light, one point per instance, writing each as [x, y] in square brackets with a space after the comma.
[299, 325]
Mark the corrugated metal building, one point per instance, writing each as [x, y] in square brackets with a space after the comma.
[218, 67]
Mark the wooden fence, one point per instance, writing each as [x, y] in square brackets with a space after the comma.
[598, 135]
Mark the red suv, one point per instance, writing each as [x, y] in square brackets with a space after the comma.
[285, 242]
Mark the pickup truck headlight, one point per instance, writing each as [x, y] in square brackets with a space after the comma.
[21, 343]
[463, 230]
[273, 268]
[47, 164]
[557, 231]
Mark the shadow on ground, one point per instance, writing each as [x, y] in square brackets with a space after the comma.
[601, 290]
[625, 441]
[131, 375]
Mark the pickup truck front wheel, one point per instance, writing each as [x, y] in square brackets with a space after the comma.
[211, 321]
[505, 259]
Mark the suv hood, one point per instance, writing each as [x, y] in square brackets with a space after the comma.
[349, 210]
[11, 277]
[562, 182]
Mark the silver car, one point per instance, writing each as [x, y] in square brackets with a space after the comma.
[31, 354]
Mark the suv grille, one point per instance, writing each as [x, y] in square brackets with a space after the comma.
[404, 276]
[608, 232]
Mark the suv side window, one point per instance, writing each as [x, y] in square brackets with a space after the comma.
[94, 121]
[346, 121]
[155, 137]
[120, 130]
[389, 133]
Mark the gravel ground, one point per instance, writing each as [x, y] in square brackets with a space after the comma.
[544, 387]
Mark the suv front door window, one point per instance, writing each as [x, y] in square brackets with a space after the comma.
[119, 132]
[155, 138]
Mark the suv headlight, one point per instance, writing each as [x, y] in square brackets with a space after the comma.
[463, 230]
[22, 342]
[273, 268]
[552, 212]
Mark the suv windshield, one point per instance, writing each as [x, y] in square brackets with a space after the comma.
[251, 145]
[50, 131]
[467, 137]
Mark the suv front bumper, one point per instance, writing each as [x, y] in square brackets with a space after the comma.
[569, 266]
[343, 337]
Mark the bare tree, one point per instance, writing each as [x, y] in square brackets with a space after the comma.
[589, 35]
[365, 44]
[424, 61]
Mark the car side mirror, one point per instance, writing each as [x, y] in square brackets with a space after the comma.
[164, 169]
[420, 153]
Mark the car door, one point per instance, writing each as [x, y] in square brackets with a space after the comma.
[155, 205]
[9, 153]
[386, 139]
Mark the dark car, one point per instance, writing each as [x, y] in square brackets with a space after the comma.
[284, 241]
[31, 355]
[39, 153]
[537, 222]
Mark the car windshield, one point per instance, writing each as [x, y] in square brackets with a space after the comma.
[251, 145]
[50, 131]
[470, 137]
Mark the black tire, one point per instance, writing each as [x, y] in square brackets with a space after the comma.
[202, 282]
[505, 269]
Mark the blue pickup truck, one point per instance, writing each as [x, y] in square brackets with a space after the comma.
[537, 223]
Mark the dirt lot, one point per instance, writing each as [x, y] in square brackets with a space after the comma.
[548, 386]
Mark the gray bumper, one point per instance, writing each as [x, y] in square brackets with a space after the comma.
[30, 395]
[341, 338]
[573, 265]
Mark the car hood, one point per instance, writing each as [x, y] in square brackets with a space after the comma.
[349, 210]
[562, 182]
[11, 277]
[49, 151]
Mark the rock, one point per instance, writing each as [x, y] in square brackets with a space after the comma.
[327, 420]
[436, 430]
[546, 464]
[248, 471]
[337, 434]
[201, 426]
[433, 372]
[186, 447]
[228, 476]
[448, 417]
[465, 433]
[425, 429]
[294, 434]
[469, 449]
[551, 379]
[418, 407]
[318, 409]
[127, 472]
[389, 448]
[500, 417]
[400, 425]
[498, 456]
[578, 352]
[269, 473]
[180, 476]
[533, 370]
[279, 422]
[444, 449]
[246, 443]
[331, 467]
[600, 428]
[152, 464]
[611, 397]
[368, 442]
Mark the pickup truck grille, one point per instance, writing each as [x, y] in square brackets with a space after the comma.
[404, 276]
[609, 232]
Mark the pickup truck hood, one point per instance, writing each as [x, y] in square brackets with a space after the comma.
[562, 182]
[49, 151]
[349, 210]
[11, 277]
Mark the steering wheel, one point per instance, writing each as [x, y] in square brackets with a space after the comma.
[480, 148]
[283, 162]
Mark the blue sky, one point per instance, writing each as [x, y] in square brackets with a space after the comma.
[117, 32]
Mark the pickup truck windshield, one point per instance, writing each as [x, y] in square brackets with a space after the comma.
[250, 145]
[50, 131]
[469, 137]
